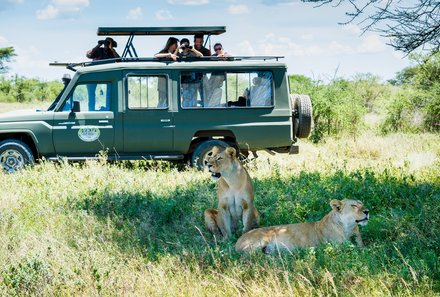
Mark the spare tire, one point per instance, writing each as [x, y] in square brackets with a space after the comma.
[301, 115]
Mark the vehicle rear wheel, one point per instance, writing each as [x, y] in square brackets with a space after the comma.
[14, 156]
[302, 115]
[200, 152]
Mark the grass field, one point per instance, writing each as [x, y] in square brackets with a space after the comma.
[136, 228]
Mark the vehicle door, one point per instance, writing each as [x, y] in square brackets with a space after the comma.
[84, 124]
[148, 122]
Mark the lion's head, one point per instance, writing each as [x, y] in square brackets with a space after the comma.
[220, 160]
[351, 211]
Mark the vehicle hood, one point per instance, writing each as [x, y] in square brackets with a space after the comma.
[24, 115]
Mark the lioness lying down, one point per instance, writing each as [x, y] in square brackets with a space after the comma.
[337, 226]
[235, 193]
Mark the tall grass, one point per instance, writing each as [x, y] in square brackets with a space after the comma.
[137, 228]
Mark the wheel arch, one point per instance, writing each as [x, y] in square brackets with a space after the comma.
[204, 135]
[26, 137]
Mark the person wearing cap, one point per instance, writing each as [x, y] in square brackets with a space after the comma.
[198, 44]
[106, 52]
[187, 50]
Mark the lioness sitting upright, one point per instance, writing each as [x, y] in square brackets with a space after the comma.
[235, 193]
[337, 226]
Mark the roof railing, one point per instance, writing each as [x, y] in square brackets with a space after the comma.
[73, 66]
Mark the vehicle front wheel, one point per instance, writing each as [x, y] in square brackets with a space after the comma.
[200, 152]
[14, 156]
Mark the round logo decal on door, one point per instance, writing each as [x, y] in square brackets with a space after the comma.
[88, 133]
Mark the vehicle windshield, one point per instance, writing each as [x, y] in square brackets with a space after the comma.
[66, 79]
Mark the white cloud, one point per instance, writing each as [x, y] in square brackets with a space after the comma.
[60, 8]
[238, 9]
[372, 44]
[307, 37]
[245, 48]
[352, 28]
[77, 3]
[50, 12]
[283, 46]
[135, 14]
[188, 2]
[163, 14]
[337, 48]
[3, 42]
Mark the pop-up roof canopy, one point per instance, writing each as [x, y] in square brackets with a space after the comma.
[211, 30]
[171, 31]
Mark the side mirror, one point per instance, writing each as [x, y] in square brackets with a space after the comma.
[76, 107]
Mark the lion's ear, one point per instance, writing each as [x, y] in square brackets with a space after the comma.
[336, 204]
[231, 152]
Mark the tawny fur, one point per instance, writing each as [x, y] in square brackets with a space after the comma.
[235, 194]
[337, 226]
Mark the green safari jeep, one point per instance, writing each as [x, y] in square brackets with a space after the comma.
[148, 108]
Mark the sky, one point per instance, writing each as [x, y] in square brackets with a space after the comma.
[311, 39]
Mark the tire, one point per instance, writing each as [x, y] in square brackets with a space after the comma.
[200, 152]
[14, 156]
[302, 115]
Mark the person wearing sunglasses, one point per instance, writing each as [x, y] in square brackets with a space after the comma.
[219, 51]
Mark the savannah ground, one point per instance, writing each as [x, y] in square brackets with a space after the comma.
[136, 228]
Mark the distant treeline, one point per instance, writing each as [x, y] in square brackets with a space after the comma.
[408, 103]
[21, 89]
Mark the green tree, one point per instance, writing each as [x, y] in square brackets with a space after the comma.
[420, 84]
[410, 25]
[6, 54]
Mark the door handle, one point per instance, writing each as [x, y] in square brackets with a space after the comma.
[67, 123]
[103, 121]
[165, 120]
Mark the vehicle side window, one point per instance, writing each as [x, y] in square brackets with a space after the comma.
[147, 92]
[91, 97]
[226, 89]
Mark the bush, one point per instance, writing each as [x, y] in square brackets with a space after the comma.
[20, 89]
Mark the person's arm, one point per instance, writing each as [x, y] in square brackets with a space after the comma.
[91, 53]
[115, 54]
[166, 55]
[196, 52]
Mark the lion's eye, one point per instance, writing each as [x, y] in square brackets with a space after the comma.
[218, 159]
[354, 206]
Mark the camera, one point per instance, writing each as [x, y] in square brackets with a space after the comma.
[107, 42]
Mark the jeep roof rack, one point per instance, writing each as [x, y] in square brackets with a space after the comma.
[72, 66]
[133, 31]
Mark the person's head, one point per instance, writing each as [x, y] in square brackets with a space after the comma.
[198, 41]
[218, 48]
[171, 44]
[110, 42]
[184, 44]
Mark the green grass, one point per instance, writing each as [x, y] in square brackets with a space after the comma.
[137, 228]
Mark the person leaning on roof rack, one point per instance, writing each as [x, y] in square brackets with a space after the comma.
[106, 52]
[219, 51]
[187, 50]
[170, 50]
[198, 44]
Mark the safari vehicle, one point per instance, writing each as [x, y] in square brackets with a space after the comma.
[147, 108]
